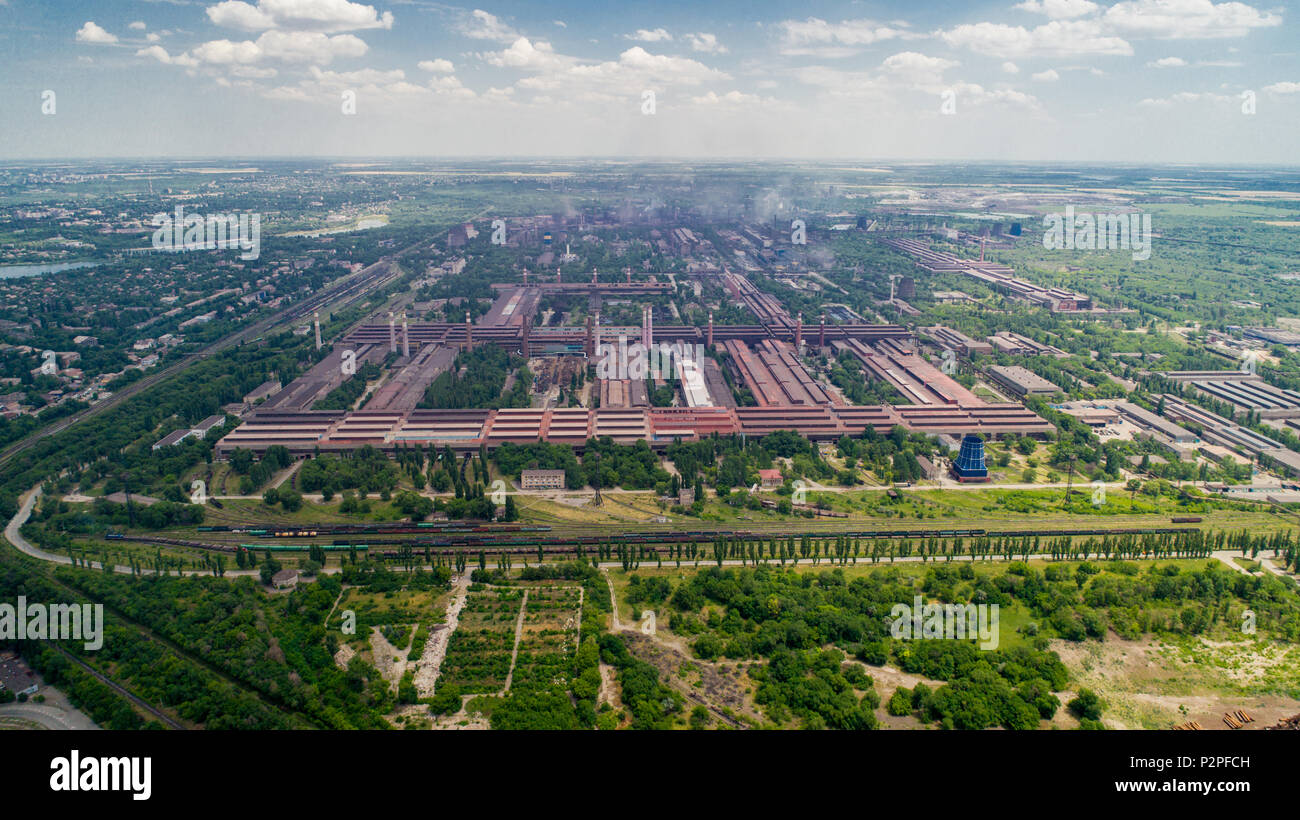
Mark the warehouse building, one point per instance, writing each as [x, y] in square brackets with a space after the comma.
[1022, 382]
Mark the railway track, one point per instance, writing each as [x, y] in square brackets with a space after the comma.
[168, 721]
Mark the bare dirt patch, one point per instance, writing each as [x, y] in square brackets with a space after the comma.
[1150, 684]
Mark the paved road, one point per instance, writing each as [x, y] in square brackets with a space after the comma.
[47, 716]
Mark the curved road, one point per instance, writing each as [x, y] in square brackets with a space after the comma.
[47, 716]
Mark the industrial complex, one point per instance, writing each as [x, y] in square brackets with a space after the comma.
[768, 358]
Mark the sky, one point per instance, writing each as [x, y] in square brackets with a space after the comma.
[1146, 81]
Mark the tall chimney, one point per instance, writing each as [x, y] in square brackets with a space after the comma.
[597, 337]
[558, 277]
[710, 339]
[469, 331]
[406, 338]
[628, 271]
[593, 276]
[821, 336]
[528, 326]
[798, 332]
[316, 321]
[591, 351]
[525, 277]
[392, 333]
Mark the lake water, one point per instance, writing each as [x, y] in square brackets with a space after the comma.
[17, 271]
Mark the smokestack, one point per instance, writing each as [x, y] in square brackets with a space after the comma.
[647, 331]
[406, 339]
[821, 336]
[587, 342]
[597, 337]
[525, 277]
[558, 277]
[316, 321]
[628, 271]
[593, 276]
[528, 326]
[798, 332]
[469, 331]
[392, 333]
[710, 340]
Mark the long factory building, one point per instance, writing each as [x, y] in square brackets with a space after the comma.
[306, 432]
[997, 276]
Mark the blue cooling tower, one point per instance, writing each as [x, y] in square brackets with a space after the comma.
[970, 461]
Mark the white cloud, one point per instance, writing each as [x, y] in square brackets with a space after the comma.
[657, 35]
[227, 52]
[160, 54]
[371, 85]
[1186, 19]
[1167, 62]
[560, 23]
[731, 98]
[1048, 76]
[437, 66]
[816, 36]
[1054, 39]
[916, 69]
[1010, 68]
[973, 94]
[526, 55]
[449, 85]
[1285, 87]
[707, 43]
[91, 33]
[157, 52]
[1059, 9]
[289, 46]
[1186, 97]
[138, 25]
[480, 25]
[298, 15]
[235, 14]
[635, 70]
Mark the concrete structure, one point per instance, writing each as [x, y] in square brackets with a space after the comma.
[999, 277]
[207, 425]
[173, 438]
[1022, 382]
[1246, 392]
[956, 341]
[305, 432]
[542, 480]
[1016, 344]
[263, 391]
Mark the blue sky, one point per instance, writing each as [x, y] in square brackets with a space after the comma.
[1039, 80]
